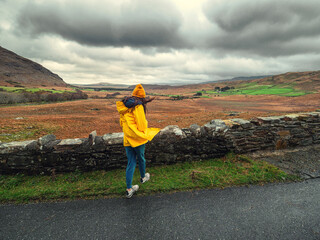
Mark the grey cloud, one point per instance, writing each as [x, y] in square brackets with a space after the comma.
[265, 27]
[237, 38]
[136, 23]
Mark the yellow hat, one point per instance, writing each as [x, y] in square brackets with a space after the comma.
[139, 92]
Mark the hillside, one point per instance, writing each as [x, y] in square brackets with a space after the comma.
[308, 81]
[19, 71]
[305, 81]
[238, 79]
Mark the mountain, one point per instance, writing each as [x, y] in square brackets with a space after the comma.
[19, 71]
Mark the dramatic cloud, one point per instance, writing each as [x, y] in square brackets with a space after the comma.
[137, 23]
[163, 41]
[265, 27]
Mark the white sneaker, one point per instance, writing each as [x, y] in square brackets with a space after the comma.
[146, 178]
[132, 191]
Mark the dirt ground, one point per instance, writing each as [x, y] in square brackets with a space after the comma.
[76, 119]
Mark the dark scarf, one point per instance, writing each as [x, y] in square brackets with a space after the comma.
[131, 102]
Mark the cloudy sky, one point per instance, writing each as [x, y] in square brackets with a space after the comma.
[160, 41]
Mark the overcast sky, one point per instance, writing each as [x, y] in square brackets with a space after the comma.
[160, 41]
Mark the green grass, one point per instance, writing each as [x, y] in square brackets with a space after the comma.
[294, 94]
[88, 89]
[11, 89]
[157, 94]
[32, 90]
[233, 170]
[286, 90]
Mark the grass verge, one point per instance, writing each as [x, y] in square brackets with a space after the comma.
[232, 170]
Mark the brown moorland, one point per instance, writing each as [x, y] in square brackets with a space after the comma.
[76, 119]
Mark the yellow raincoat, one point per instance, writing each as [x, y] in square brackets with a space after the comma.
[135, 125]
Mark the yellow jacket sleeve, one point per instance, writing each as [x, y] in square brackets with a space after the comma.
[140, 117]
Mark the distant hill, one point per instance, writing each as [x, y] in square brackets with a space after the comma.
[19, 71]
[154, 86]
[105, 85]
[238, 79]
[308, 81]
[102, 85]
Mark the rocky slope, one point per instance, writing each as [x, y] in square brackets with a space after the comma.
[19, 71]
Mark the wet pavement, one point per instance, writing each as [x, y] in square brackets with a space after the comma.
[274, 211]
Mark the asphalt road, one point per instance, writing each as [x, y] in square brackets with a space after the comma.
[274, 211]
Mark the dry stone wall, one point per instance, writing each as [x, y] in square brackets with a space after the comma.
[171, 145]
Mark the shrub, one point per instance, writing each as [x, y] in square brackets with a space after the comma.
[40, 96]
[11, 98]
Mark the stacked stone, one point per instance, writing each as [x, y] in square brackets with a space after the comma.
[174, 145]
[274, 132]
[171, 145]
[47, 154]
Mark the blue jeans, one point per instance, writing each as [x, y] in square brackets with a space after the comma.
[133, 154]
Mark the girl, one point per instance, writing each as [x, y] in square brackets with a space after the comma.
[133, 121]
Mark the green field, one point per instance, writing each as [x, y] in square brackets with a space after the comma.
[32, 90]
[256, 89]
[88, 89]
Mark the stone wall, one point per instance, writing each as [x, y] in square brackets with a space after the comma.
[171, 145]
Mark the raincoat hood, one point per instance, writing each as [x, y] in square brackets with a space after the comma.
[139, 92]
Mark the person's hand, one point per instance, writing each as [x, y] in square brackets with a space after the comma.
[150, 99]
